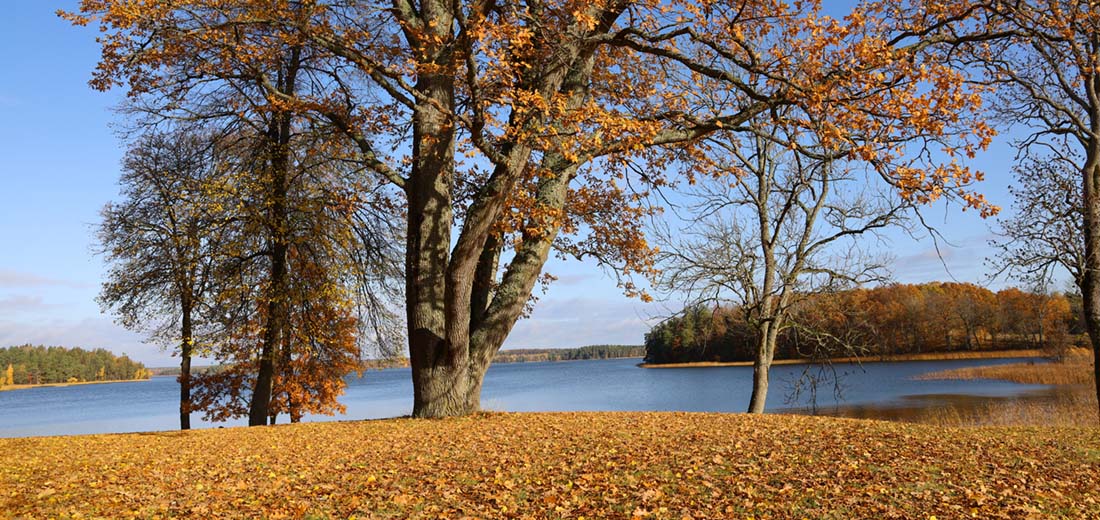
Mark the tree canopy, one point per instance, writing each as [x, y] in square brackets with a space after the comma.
[507, 131]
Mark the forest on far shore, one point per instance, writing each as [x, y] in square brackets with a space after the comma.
[521, 355]
[886, 320]
[37, 364]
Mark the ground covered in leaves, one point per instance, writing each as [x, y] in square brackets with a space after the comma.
[561, 465]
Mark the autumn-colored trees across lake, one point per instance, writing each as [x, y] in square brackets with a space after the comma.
[892, 319]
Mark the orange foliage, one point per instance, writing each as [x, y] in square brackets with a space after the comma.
[663, 74]
[886, 320]
[320, 349]
[550, 123]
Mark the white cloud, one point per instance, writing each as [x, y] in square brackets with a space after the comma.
[88, 333]
[964, 260]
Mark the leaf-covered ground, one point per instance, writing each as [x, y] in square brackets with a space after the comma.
[561, 465]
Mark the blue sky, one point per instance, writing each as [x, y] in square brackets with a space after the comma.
[59, 165]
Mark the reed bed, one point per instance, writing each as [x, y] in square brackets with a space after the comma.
[1074, 409]
[1026, 373]
[1076, 406]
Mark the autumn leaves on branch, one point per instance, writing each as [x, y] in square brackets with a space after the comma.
[503, 132]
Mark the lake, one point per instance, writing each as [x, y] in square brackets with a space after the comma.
[881, 389]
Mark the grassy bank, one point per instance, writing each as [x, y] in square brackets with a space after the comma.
[6, 388]
[1073, 405]
[924, 356]
[563, 465]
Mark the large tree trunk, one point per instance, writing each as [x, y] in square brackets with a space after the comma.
[454, 328]
[186, 346]
[439, 360]
[1090, 290]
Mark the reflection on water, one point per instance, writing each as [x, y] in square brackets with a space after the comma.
[879, 390]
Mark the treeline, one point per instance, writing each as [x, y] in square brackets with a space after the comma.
[569, 354]
[36, 364]
[531, 355]
[175, 371]
[893, 319]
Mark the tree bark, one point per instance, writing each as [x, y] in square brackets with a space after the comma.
[1090, 290]
[186, 346]
[438, 360]
[454, 328]
[761, 367]
[260, 404]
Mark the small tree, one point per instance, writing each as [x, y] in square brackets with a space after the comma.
[775, 227]
[162, 242]
[1047, 232]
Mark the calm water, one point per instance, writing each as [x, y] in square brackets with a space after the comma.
[873, 389]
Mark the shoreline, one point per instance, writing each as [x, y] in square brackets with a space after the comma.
[406, 365]
[10, 388]
[928, 356]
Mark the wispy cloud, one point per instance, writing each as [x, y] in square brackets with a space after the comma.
[575, 322]
[573, 279]
[9, 101]
[23, 303]
[10, 279]
[947, 264]
[88, 333]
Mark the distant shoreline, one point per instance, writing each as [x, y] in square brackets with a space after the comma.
[928, 356]
[8, 388]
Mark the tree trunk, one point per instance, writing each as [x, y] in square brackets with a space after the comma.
[454, 330]
[258, 410]
[278, 135]
[761, 367]
[1090, 291]
[186, 346]
[481, 296]
[439, 361]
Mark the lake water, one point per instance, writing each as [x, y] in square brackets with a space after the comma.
[872, 389]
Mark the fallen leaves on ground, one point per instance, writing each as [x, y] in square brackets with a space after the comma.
[561, 465]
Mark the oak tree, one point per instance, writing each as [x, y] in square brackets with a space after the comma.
[512, 129]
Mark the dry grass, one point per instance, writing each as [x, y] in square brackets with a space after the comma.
[1076, 369]
[1074, 406]
[561, 465]
[1026, 373]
